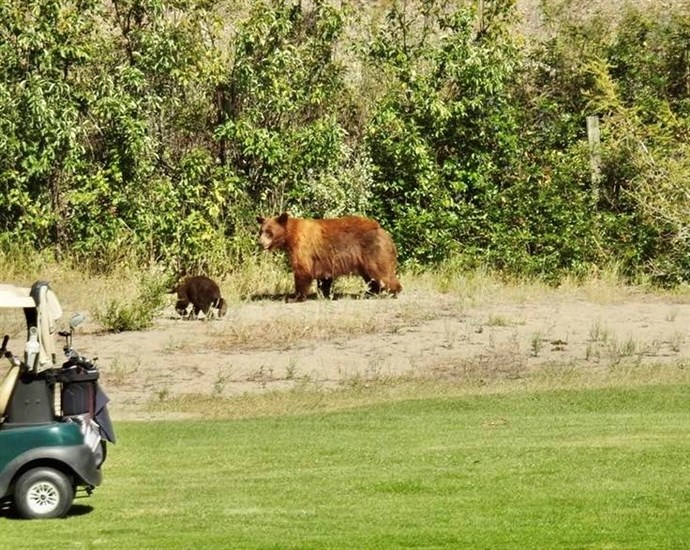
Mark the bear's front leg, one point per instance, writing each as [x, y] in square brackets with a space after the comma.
[302, 284]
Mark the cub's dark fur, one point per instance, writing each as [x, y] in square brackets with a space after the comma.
[202, 292]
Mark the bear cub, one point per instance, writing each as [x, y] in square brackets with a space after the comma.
[202, 293]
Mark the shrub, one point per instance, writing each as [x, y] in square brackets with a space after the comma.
[137, 314]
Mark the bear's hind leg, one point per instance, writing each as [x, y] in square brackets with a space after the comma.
[324, 286]
[181, 308]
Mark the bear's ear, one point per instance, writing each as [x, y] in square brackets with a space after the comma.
[260, 220]
[282, 219]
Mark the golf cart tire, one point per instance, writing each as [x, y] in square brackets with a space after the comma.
[43, 493]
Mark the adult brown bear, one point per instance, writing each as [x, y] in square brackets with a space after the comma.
[329, 248]
[203, 293]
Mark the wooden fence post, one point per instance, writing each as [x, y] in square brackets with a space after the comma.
[594, 138]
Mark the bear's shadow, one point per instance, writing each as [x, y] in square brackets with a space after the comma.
[313, 296]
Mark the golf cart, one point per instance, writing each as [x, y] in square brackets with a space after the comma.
[54, 420]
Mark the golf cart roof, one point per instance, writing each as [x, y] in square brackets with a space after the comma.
[41, 309]
[15, 297]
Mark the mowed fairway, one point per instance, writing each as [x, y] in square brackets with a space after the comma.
[607, 468]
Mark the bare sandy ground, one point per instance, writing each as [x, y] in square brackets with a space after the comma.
[267, 345]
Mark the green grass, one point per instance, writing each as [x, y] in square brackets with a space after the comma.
[587, 468]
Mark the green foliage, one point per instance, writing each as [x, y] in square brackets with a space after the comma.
[544, 225]
[154, 131]
[338, 193]
[43, 55]
[627, 71]
[646, 161]
[443, 137]
[136, 313]
[280, 129]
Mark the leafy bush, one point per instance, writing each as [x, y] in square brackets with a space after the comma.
[443, 137]
[138, 313]
[279, 127]
[152, 133]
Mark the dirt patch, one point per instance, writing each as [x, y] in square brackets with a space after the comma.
[269, 345]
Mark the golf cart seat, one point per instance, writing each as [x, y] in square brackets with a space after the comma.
[6, 388]
[22, 401]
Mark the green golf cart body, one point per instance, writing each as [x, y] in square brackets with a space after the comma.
[46, 455]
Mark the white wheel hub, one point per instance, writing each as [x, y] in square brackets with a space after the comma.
[43, 497]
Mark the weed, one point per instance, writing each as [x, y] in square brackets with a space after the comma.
[119, 373]
[291, 369]
[629, 347]
[618, 351]
[536, 343]
[592, 352]
[451, 336]
[496, 320]
[285, 332]
[354, 382]
[651, 349]
[374, 368]
[598, 333]
[262, 375]
[676, 341]
[220, 382]
[173, 346]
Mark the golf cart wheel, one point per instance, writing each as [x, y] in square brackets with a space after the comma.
[43, 493]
